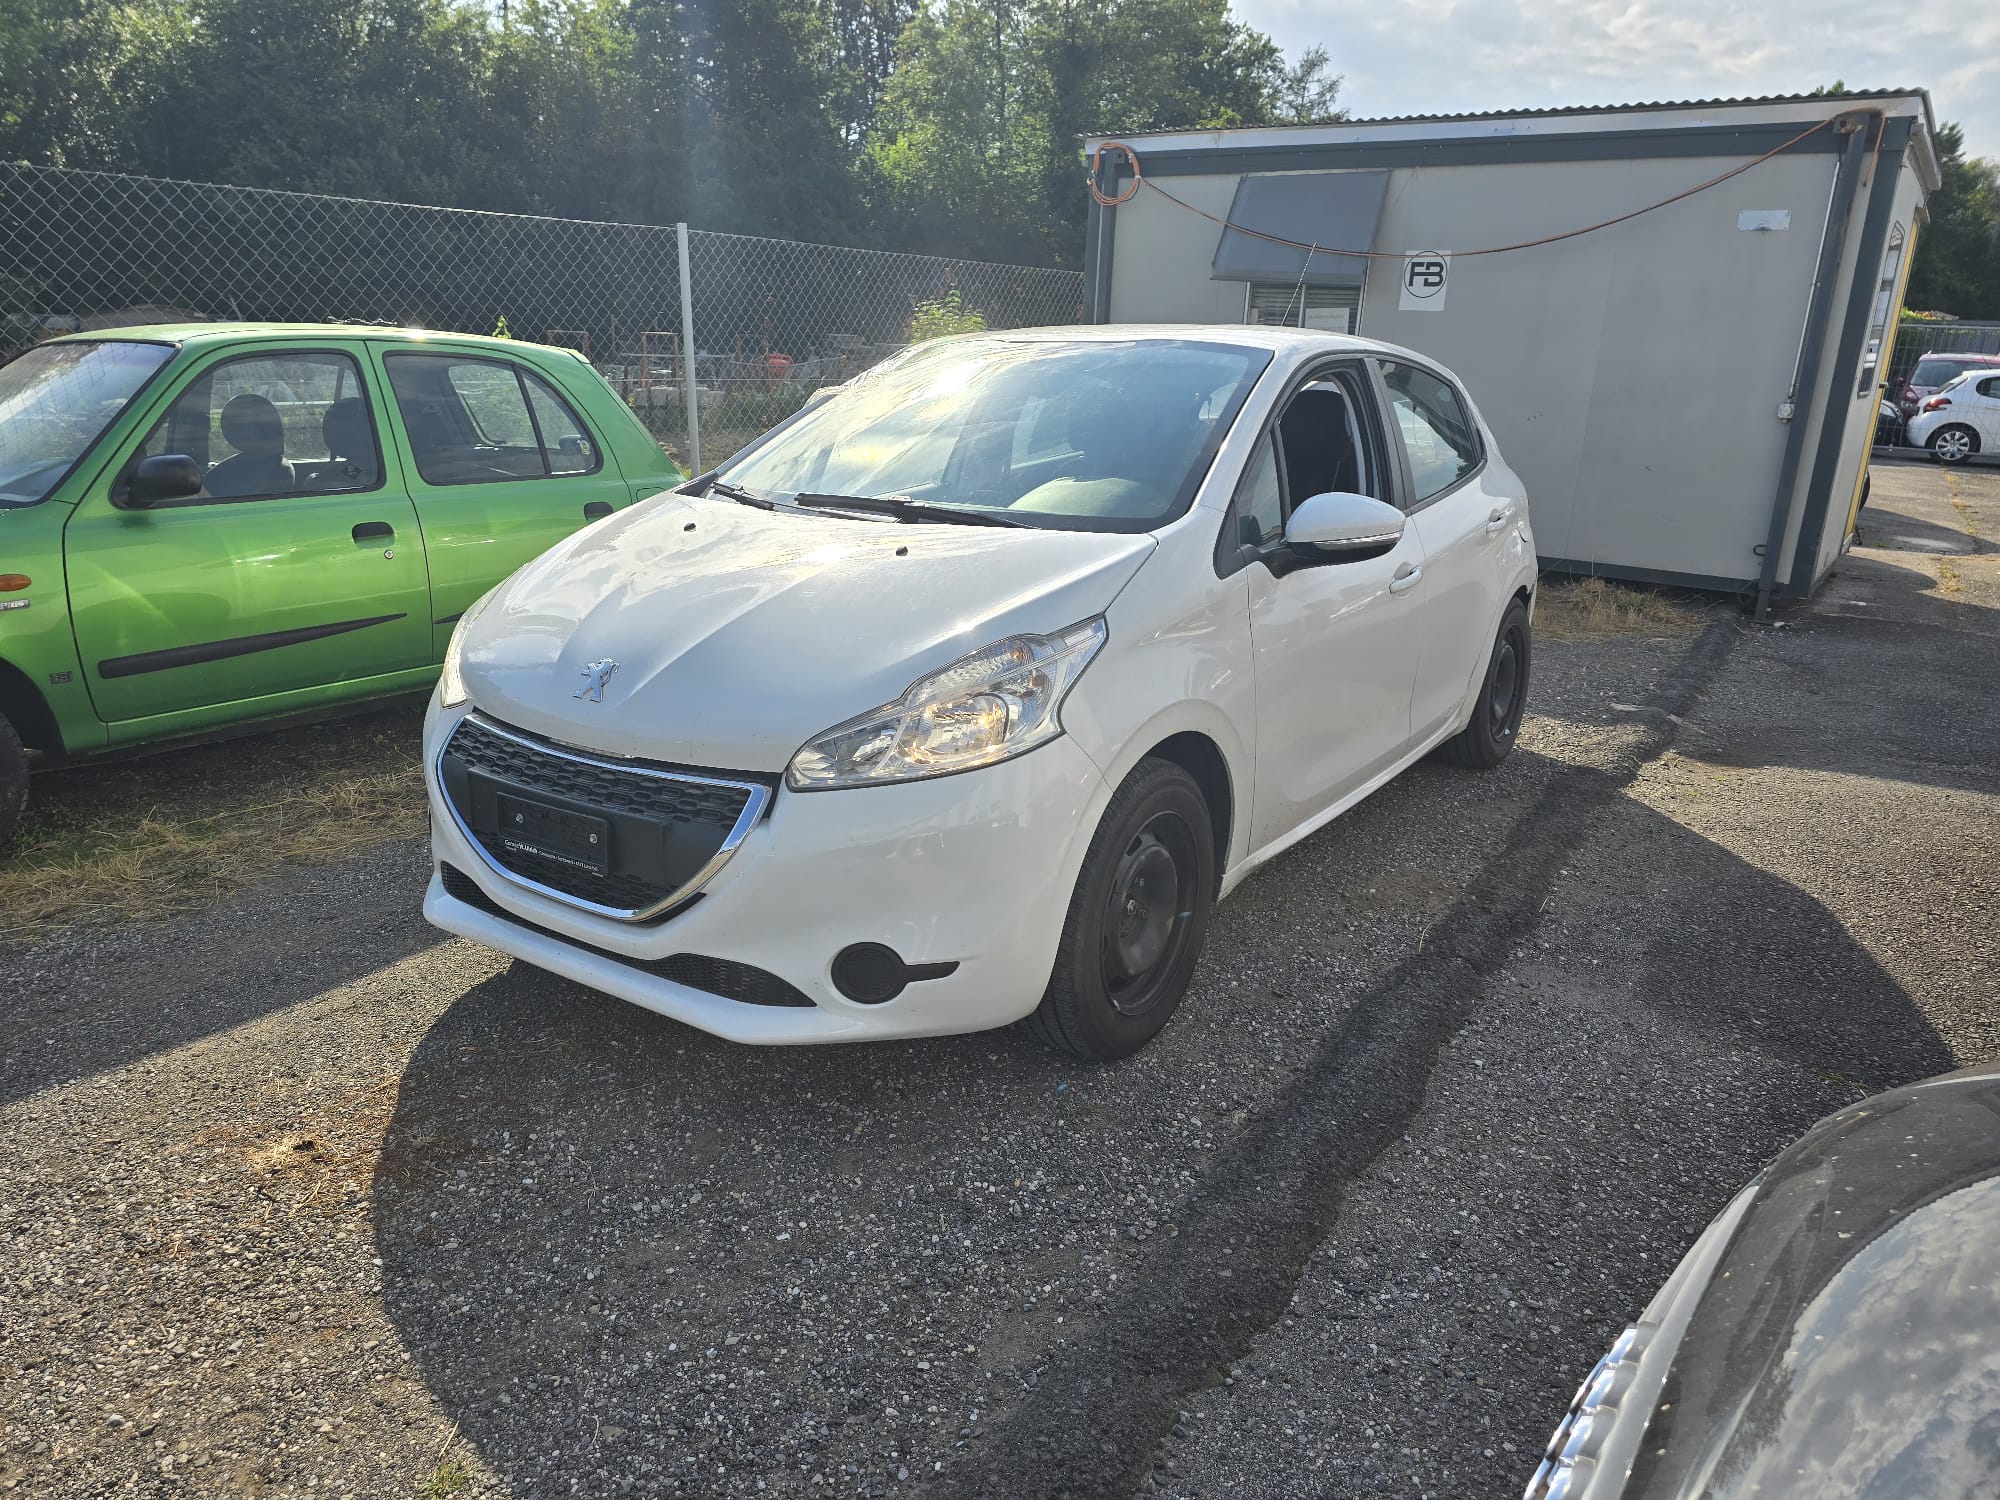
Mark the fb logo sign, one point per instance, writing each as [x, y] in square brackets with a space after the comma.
[1425, 278]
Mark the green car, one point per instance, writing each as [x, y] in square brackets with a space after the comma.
[207, 526]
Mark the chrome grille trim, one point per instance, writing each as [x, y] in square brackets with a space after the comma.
[756, 801]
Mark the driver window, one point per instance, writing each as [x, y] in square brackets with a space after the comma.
[1322, 443]
[266, 425]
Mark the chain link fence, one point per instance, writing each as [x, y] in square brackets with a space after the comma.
[772, 319]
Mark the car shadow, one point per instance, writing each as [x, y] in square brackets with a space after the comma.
[91, 1002]
[623, 1253]
[150, 948]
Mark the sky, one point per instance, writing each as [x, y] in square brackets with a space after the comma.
[1460, 56]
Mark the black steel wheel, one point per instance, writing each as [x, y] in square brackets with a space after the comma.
[1136, 920]
[1503, 697]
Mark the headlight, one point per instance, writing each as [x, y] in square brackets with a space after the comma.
[995, 703]
[451, 683]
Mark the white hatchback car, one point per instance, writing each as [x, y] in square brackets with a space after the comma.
[1960, 419]
[963, 695]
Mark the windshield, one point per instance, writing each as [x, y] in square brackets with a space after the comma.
[1095, 436]
[55, 400]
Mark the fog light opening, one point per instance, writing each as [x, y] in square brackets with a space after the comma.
[874, 973]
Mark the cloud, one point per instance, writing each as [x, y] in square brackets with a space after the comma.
[1454, 56]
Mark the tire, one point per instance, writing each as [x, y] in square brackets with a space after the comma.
[1867, 483]
[1953, 444]
[1496, 713]
[1118, 979]
[13, 782]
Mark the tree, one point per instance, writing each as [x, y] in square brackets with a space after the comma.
[864, 37]
[1957, 264]
[79, 77]
[378, 98]
[979, 134]
[949, 125]
[1306, 93]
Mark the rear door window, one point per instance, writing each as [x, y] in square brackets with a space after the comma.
[1437, 430]
[482, 421]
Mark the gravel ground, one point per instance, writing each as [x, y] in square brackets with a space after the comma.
[300, 1200]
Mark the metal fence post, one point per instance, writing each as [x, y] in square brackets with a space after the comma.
[690, 386]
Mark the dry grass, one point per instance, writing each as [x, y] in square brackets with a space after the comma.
[176, 832]
[1597, 609]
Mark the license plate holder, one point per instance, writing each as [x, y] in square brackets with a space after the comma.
[570, 838]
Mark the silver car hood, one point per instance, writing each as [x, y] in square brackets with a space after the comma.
[740, 633]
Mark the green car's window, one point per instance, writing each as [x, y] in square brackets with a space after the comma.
[54, 402]
[266, 425]
[479, 421]
[568, 446]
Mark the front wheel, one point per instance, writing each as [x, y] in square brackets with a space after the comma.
[1953, 445]
[1136, 920]
[13, 782]
[1503, 696]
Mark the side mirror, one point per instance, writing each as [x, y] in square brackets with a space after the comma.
[164, 476]
[1327, 526]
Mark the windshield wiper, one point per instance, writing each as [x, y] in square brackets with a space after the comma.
[902, 508]
[737, 493]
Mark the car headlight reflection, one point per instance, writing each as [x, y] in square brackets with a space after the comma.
[452, 691]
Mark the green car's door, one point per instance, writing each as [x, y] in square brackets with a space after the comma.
[501, 466]
[295, 577]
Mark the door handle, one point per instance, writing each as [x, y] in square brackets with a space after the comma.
[596, 509]
[1498, 520]
[369, 531]
[1407, 577]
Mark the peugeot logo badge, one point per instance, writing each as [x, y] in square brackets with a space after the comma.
[596, 675]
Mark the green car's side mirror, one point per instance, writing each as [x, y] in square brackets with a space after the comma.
[164, 476]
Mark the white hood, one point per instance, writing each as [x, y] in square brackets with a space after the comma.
[740, 634]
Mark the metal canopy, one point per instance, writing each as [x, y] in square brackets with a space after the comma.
[1335, 210]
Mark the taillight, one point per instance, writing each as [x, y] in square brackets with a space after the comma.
[1937, 403]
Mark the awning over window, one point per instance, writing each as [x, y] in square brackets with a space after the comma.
[1334, 210]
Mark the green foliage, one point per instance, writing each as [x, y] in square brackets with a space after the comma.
[940, 317]
[941, 125]
[450, 1477]
[1957, 264]
[975, 134]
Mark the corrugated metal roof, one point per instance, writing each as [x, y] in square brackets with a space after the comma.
[1555, 112]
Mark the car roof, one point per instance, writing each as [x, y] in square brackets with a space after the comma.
[1970, 359]
[202, 334]
[1247, 335]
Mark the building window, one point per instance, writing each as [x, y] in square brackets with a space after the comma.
[1331, 309]
[1878, 318]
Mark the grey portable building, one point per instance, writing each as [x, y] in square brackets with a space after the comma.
[1689, 388]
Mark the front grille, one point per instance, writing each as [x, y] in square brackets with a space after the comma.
[714, 976]
[667, 829]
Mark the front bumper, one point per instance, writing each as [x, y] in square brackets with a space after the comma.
[974, 870]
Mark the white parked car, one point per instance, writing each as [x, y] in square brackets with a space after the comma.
[1960, 419]
[964, 695]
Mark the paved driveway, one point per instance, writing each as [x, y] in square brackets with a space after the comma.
[298, 1199]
